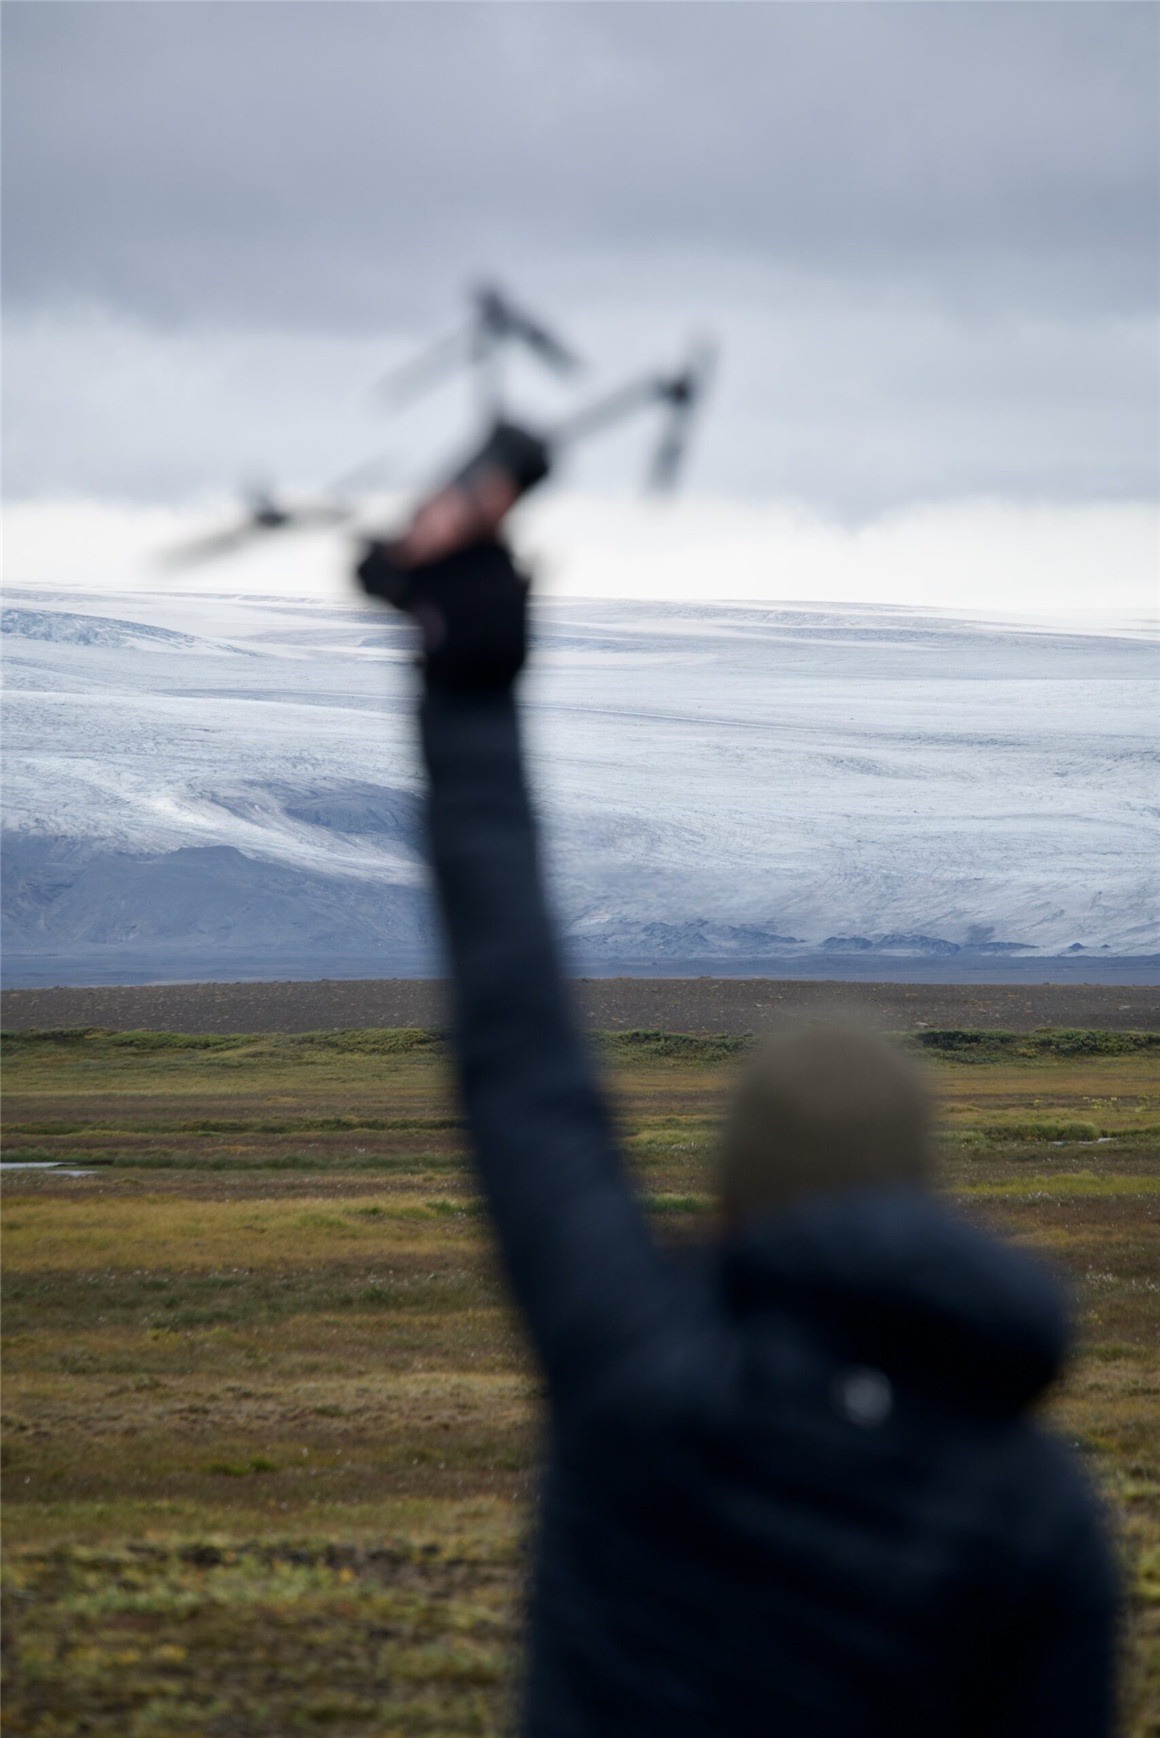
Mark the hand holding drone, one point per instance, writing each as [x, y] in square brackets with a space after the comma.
[447, 569]
[474, 502]
[453, 577]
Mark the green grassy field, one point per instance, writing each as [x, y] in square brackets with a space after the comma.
[270, 1427]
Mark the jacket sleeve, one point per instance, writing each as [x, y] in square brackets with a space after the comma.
[1067, 1687]
[585, 1270]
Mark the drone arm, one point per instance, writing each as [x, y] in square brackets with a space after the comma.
[609, 409]
[426, 369]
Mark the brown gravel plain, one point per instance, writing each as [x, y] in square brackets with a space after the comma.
[270, 1427]
[612, 1004]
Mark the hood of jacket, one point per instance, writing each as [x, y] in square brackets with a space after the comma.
[903, 1282]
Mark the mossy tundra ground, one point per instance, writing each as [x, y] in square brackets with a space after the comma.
[270, 1426]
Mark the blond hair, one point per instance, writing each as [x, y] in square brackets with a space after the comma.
[819, 1109]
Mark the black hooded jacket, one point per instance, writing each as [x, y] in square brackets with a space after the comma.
[792, 1487]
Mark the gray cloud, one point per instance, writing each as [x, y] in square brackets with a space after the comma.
[316, 162]
[928, 233]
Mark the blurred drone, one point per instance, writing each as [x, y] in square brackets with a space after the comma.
[496, 322]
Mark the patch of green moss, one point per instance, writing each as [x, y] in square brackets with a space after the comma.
[644, 1046]
[969, 1045]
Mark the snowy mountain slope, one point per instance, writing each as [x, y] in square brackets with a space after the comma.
[224, 774]
[71, 896]
[64, 627]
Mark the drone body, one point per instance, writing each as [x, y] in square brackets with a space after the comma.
[496, 322]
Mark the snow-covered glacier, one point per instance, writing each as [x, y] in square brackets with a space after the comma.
[218, 785]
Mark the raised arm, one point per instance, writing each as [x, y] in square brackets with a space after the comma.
[584, 1267]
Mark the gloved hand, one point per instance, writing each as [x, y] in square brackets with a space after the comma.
[450, 573]
[470, 608]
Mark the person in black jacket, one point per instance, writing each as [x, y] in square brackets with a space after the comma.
[794, 1486]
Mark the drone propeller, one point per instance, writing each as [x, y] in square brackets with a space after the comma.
[499, 315]
[264, 514]
[496, 320]
[682, 393]
[204, 548]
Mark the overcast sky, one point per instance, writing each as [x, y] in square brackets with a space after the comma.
[925, 234]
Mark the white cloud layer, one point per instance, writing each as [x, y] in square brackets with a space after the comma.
[975, 556]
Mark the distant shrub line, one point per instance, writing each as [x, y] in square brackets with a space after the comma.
[645, 1046]
[964, 1044]
[372, 1041]
[967, 1045]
